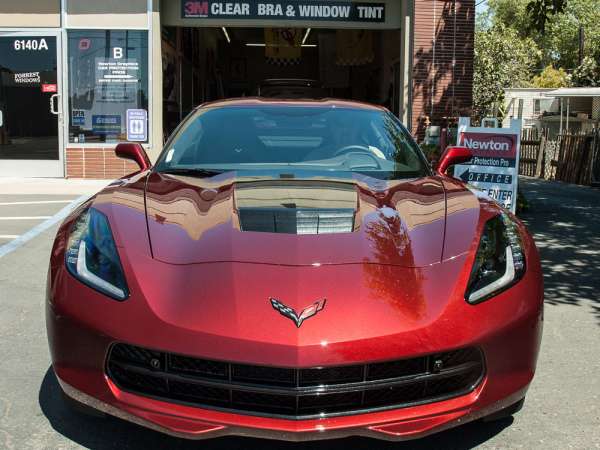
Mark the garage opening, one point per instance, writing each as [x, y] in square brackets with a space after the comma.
[203, 64]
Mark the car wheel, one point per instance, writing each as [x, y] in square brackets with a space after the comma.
[80, 408]
[505, 412]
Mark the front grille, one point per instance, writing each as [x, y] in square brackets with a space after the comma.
[295, 393]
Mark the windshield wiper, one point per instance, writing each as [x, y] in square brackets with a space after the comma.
[192, 172]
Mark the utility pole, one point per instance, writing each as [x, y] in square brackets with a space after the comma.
[581, 43]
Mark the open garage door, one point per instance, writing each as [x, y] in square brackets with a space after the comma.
[202, 64]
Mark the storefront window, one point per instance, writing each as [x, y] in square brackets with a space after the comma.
[108, 86]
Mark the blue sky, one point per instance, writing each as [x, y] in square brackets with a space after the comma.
[481, 5]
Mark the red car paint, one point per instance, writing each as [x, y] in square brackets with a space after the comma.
[201, 287]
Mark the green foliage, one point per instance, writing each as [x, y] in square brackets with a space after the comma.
[503, 59]
[551, 78]
[432, 152]
[541, 12]
[512, 14]
[559, 38]
[587, 74]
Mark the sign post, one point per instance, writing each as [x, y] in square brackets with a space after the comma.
[494, 168]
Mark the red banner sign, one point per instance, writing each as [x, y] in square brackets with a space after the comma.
[49, 88]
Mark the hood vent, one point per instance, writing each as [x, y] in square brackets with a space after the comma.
[297, 221]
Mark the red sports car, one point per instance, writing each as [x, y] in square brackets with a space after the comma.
[294, 270]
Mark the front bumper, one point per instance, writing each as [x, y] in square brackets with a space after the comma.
[185, 422]
[79, 353]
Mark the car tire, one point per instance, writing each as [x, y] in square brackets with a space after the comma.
[80, 408]
[505, 412]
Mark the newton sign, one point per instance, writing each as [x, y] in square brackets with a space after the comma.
[494, 168]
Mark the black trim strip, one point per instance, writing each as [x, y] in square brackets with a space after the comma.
[303, 391]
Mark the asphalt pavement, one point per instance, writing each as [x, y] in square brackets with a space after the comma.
[562, 408]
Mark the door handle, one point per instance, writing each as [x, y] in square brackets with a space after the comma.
[1, 118]
[54, 110]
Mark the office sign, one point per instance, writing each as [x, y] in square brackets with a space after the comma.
[494, 168]
[336, 11]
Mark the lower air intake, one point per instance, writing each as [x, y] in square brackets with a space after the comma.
[291, 392]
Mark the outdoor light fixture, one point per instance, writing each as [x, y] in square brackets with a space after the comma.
[258, 44]
[226, 35]
[305, 38]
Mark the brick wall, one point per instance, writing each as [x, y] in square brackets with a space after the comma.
[442, 61]
[97, 163]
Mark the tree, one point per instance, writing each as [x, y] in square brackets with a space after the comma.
[502, 59]
[559, 38]
[541, 11]
[587, 74]
[551, 78]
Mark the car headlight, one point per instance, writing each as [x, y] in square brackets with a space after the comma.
[500, 261]
[92, 255]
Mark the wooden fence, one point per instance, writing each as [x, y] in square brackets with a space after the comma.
[572, 158]
[532, 146]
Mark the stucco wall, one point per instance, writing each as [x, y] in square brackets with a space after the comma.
[30, 13]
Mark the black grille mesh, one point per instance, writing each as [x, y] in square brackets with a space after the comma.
[290, 392]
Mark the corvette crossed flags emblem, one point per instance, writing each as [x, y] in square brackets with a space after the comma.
[295, 317]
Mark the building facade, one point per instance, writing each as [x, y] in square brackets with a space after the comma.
[79, 76]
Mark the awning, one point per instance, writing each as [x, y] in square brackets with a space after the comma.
[574, 92]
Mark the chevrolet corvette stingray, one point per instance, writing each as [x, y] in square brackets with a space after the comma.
[294, 270]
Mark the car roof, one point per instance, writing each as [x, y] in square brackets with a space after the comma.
[264, 101]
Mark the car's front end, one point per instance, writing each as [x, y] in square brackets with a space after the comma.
[391, 310]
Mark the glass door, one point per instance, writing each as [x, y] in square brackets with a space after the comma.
[30, 104]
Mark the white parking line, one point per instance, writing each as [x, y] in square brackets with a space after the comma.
[9, 236]
[44, 202]
[40, 228]
[26, 218]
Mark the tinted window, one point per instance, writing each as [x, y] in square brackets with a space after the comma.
[108, 75]
[288, 138]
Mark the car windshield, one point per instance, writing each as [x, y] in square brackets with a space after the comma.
[287, 139]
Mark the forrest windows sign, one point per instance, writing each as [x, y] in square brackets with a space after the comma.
[338, 11]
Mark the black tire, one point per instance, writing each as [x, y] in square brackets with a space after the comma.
[506, 412]
[80, 408]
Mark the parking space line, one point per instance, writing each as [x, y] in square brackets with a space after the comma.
[9, 236]
[41, 202]
[40, 228]
[26, 218]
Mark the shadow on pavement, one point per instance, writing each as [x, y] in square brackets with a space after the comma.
[565, 222]
[113, 433]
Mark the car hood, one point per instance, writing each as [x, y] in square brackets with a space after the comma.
[207, 284]
[295, 222]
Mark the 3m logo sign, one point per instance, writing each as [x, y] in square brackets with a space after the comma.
[196, 9]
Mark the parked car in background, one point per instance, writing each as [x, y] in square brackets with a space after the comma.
[291, 88]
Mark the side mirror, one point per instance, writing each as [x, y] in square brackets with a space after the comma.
[134, 152]
[453, 156]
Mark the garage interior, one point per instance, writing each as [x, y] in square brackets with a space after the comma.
[203, 64]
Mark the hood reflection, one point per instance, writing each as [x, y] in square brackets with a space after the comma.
[293, 221]
[399, 287]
